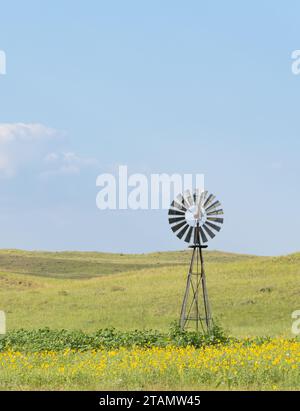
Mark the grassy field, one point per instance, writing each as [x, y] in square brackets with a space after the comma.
[249, 295]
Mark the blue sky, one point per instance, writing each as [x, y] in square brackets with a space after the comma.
[189, 87]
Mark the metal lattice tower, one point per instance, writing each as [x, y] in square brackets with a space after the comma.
[194, 218]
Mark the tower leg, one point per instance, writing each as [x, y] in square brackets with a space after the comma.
[208, 319]
[187, 292]
[192, 309]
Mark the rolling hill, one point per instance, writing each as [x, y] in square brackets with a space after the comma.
[88, 290]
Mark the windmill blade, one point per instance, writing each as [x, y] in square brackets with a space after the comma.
[176, 219]
[189, 235]
[182, 232]
[189, 198]
[179, 198]
[209, 232]
[214, 226]
[184, 197]
[203, 198]
[176, 212]
[180, 202]
[198, 195]
[205, 194]
[216, 212]
[199, 202]
[217, 220]
[214, 205]
[203, 236]
[209, 200]
[178, 206]
[176, 227]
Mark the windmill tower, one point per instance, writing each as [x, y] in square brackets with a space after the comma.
[194, 218]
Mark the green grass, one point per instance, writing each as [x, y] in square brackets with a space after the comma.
[83, 265]
[76, 290]
[250, 296]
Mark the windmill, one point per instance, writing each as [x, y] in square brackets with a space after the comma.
[195, 218]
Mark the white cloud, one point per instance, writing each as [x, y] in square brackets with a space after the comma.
[66, 163]
[23, 144]
[36, 147]
[14, 132]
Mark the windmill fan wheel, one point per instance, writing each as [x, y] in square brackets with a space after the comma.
[196, 217]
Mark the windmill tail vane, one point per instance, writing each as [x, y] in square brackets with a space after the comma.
[195, 218]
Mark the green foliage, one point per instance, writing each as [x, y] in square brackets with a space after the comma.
[46, 339]
[182, 338]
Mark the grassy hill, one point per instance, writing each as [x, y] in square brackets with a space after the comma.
[88, 290]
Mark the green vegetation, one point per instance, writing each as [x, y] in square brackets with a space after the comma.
[57, 340]
[250, 296]
[84, 320]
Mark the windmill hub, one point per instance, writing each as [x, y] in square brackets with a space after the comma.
[195, 214]
[200, 215]
[195, 218]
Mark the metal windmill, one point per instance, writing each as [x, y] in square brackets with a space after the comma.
[195, 217]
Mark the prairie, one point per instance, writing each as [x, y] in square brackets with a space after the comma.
[250, 296]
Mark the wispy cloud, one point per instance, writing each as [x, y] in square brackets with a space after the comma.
[23, 144]
[66, 163]
[36, 147]
[26, 132]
